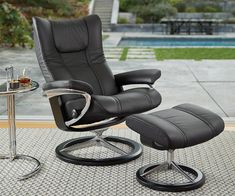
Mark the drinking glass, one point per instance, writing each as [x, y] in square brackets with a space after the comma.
[24, 77]
[12, 78]
[9, 73]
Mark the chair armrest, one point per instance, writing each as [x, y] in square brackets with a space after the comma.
[142, 76]
[67, 87]
[68, 84]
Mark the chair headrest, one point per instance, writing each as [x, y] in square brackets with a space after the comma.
[70, 35]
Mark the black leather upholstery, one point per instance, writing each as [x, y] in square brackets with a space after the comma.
[82, 62]
[69, 84]
[75, 32]
[182, 126]
[72, 50]
[120, 105]
[143, 76]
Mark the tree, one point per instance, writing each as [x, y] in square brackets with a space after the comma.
[14, 27]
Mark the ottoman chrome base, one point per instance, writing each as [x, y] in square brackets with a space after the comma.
[195, 180]
[182, 126]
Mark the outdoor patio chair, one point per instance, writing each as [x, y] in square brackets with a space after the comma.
[84, 94]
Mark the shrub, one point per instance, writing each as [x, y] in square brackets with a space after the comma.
[139, 20]
[190, 9]
[14, 27]
[211, 9]
[127, 5]
[47, 4]
[154, 13]
[51, 8]
[122, 20]
[180, 5]
[208, 7]
[123, 6]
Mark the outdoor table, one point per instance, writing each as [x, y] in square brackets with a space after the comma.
[175, 26]
[10, 94]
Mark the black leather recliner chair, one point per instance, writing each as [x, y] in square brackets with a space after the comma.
[84, 94]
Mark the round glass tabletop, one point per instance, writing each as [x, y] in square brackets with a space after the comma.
[5, 90]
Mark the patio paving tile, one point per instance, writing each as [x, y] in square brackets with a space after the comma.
[186, 92]
[112, 49]
[129, 56]
[112, 56]
[221, 70]
[113, 39]
[113, 53]
[141, 52]
[137, 53]
[141, 49]
[171, 70]
[224, 95]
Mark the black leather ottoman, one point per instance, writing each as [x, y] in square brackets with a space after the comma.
[179, 127]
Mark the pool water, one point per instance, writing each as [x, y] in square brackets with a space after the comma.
[177, 42]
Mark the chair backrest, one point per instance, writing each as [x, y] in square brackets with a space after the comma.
[72, 49]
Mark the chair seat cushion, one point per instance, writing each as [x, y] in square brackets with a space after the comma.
[126, 103]
[179, 127]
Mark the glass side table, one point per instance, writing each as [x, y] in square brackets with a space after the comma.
[10, 94]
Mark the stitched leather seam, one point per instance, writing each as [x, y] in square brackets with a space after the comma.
[149, 124]
[101, 107]
[59, 53]
[183, 134]
[149, 99]
[89, 63]
[153, 79]
[197, 116]
[118, 102]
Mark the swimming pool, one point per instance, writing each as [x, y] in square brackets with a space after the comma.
[177, 42]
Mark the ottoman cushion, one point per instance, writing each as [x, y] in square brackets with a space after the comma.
[179, 127]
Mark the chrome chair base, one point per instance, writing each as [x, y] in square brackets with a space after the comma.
[64, 149]
[195, 178]
[35, 170]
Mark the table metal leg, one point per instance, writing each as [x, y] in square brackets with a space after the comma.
[12, 136]
[12, 126]
[33, 171]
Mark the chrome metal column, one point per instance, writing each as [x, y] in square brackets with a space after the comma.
[97, 140]
[12, 126]
[170, 158]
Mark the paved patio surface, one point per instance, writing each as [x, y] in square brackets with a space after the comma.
[209, 83]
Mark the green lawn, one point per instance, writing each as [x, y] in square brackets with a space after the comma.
[124, 54]
[195, 53]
